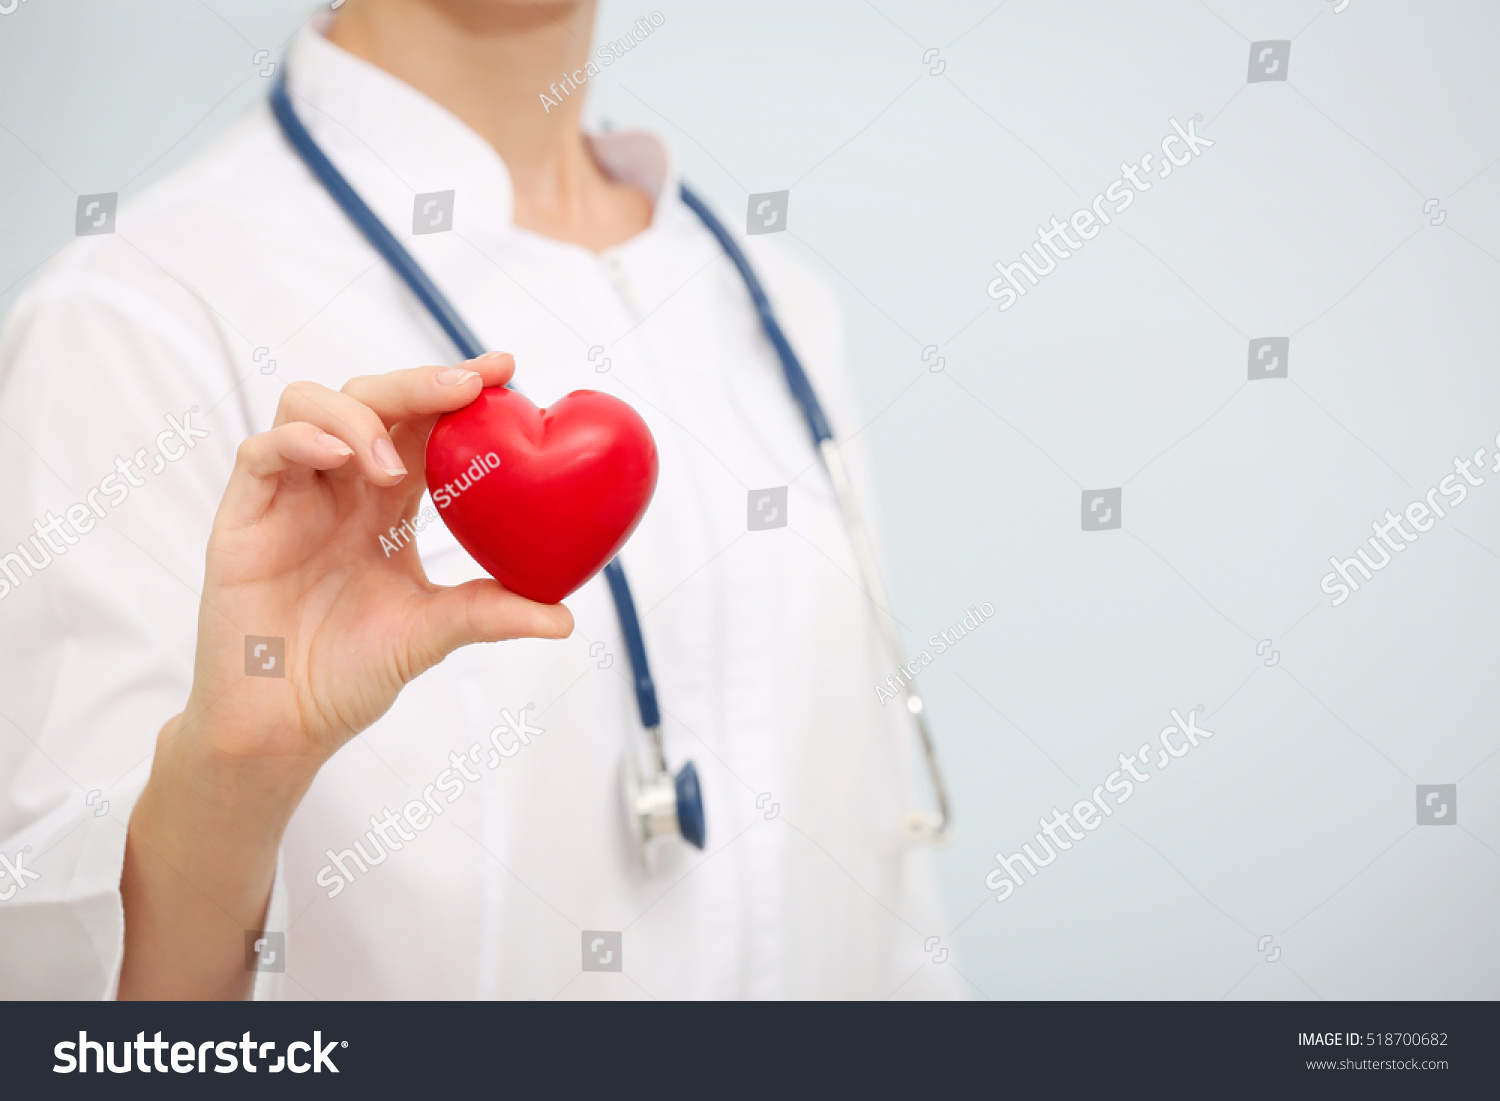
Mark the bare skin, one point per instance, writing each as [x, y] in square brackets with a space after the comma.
[488, 62]
[293, 552]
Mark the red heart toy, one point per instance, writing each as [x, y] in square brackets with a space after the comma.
[542, 498]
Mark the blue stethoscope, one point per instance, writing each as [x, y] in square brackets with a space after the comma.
[658, 804]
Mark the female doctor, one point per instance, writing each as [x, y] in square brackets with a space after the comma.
[394, 811]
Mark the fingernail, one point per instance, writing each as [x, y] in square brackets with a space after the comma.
[489, 357]
[454, 376]
[387, 459]
[333, 443]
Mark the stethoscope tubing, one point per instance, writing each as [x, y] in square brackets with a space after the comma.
[935, 827]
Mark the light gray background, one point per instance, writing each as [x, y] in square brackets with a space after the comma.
[1126, 367]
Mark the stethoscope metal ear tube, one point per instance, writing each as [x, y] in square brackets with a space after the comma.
[934, 827]
[658, 804]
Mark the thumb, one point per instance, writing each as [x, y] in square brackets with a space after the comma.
[480, 611]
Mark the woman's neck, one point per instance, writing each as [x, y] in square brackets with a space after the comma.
[488, 61]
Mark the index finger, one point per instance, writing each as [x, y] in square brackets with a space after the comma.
[422, 391]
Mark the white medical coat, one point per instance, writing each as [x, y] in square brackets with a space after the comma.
[238, 275]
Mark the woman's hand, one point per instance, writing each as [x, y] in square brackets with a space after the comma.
[296, 554]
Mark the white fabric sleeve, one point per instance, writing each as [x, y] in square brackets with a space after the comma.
[110, 371]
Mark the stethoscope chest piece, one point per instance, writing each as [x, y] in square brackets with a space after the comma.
[660, 805]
